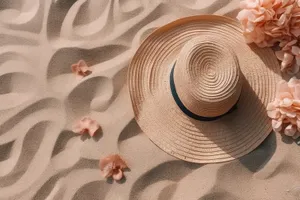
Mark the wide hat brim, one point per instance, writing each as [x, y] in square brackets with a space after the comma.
[158, 115]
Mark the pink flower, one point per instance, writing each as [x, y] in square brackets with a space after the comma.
[86, 125]
[267, 22]
[81, 68]
[285, 109]
[113, 165]
[253, 16]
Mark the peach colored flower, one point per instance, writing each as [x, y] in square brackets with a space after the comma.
[285, 109]
[113, 165]
[267, 22]
[253, 16]
[81, 68]
[86, 125]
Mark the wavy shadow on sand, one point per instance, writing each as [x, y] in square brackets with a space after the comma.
[96, 190]
[119, 81]
[6, 39]
[97, 95]
[49, 185]
[88, 23]
[85, 13]
[39, 105]
[57, 13]
[220, 195]
[30, 146]
[5, 150]
[16, 83]
[132, 129]
[153, 16]
[62, 141]
[26, 17]
[173, 171]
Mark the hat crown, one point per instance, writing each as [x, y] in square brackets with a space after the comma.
[207, 76]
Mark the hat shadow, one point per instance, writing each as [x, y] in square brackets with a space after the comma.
[260, 156]
[257, 157]
[260, 53]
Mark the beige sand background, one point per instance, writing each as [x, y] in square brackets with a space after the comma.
[41, 159]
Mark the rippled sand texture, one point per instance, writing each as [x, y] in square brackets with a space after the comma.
[40, 158]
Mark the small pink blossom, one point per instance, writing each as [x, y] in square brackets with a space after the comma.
[113, 165]
[81, 68]
[285, 109]
[86, 125]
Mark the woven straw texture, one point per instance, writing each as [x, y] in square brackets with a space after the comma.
[227, 70]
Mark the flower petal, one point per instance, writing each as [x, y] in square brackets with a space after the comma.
[277, 125]
[286, 102]
[273, 114]
[288, 9]
[117, 161]
[281, 20]
[295, 50]
[279, 55]
[291, 43]
[296, 32]
[296, 103]
[76, 128]
[108, 170]
[288, 112]
[86, 124]
[285, 2]
[118, 176]
[81, 68]
[271, 106]
[285, 95]
[283, 90]
[287, 60]
[93, 127]
[290, 130]
[244, 15]
[297, 92]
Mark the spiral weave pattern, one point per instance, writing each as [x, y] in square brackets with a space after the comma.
[207, 76]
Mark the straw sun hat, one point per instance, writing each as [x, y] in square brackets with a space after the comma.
[199, 92]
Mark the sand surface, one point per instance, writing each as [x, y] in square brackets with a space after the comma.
[41, 158]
